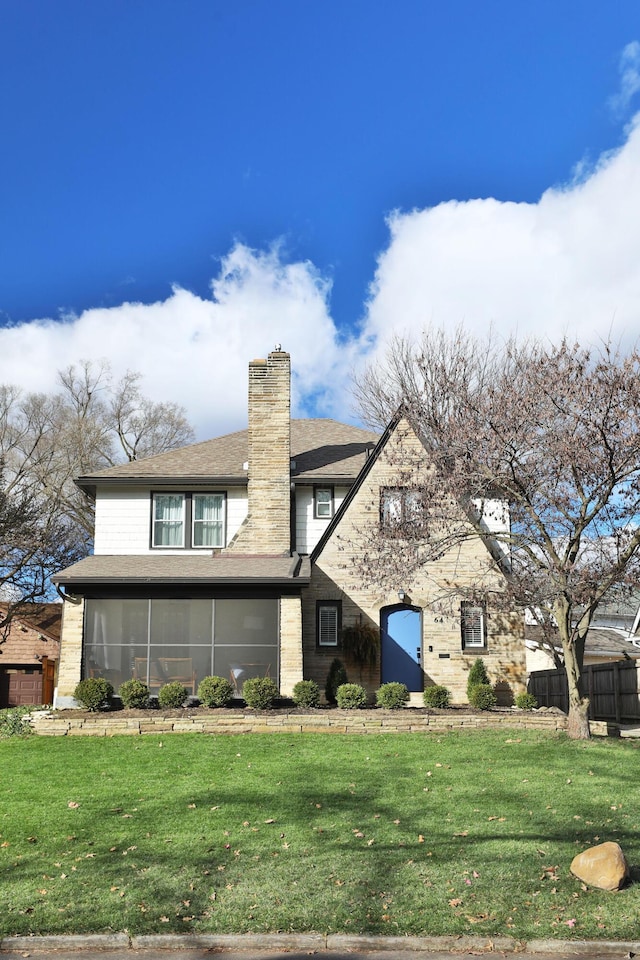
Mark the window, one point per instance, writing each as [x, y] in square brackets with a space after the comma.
[168, 520]
[328, 616]
[473, 623]
[400, 508]
[208, 520]
[323, 502]
[188, 520]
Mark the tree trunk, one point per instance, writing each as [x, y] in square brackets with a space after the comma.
[573, 649]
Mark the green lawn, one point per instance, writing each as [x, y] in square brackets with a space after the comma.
[390, 834]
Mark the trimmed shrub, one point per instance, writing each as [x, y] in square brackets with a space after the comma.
[172, 695]
[482, 696]
[477, 674]
[525, 701]
[392, 696]
[260, 692]
[335, 678]
[350, 696]
[134, 693]
[436, 696]
[93, 693]
[215, 692]
[306, 693]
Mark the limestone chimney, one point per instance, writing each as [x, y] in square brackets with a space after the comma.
[268, 526]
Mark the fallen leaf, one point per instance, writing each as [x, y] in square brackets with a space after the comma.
[570, 923]
[73, 805]
[456, 902]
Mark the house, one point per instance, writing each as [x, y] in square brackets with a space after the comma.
[29, 651]
[614, 634]
[239, 557]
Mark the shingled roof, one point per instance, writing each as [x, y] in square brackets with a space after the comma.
[321, 450]
[191, 569]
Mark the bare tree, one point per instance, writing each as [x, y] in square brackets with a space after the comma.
[48, 440]
[552, 430]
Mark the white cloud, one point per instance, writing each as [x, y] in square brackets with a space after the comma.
[629, 68]
[566, 265]
[195, 351]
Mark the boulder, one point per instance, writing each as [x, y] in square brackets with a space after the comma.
[604, 866]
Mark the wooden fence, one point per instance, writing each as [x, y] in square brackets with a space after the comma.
[613, 690]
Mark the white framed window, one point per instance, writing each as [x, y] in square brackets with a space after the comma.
[188, 520]
[168, 520]
[207, 520]
[400, 508]
[323, 502]
[473, 624]
[328, 614]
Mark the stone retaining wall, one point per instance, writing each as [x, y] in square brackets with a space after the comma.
[282, 722]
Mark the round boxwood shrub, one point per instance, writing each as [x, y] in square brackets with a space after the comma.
[134, 694]
[306, 693]
[478, 674]
[172, 695]
[350, 696]
[436, 696]
[215, 692]
[93, 693]
[260, 692]
[392, 696]
[336, 677]
[482, 696]
[525, 701]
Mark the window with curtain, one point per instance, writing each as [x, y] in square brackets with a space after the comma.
[168, 519]
[208, 520]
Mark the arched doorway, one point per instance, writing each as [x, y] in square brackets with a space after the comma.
[401, 646]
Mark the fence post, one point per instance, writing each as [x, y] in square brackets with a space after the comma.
[616, 688]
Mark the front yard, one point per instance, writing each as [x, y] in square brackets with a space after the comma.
[467, 832]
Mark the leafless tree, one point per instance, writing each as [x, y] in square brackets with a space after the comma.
[552, 430]
[46, 440]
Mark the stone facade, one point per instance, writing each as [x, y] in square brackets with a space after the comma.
[436, 589]
[70, 666]
[290, 645]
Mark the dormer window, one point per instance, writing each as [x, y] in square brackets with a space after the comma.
[194, 520]
[323, 502]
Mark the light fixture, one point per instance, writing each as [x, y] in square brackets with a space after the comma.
[401, 596]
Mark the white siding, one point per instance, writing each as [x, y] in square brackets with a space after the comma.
[123, 518]
[309, 529]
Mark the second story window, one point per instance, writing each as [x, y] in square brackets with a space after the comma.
[323, 502]
[190, 520]
[401, 510]
[208, 520]
[168, 520]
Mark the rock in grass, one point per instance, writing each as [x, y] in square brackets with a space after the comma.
[604, 866]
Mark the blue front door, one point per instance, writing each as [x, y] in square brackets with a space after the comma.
[401, 634]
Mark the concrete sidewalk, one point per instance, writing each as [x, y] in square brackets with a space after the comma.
[292, 946]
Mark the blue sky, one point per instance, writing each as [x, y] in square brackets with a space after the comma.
[184, 184]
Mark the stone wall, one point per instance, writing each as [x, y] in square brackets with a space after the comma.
[70, 665]
[436, 588]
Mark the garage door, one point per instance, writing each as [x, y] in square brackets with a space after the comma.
[19, 687]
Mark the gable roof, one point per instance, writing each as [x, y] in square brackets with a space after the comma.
[322, 450]
[32, 633]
